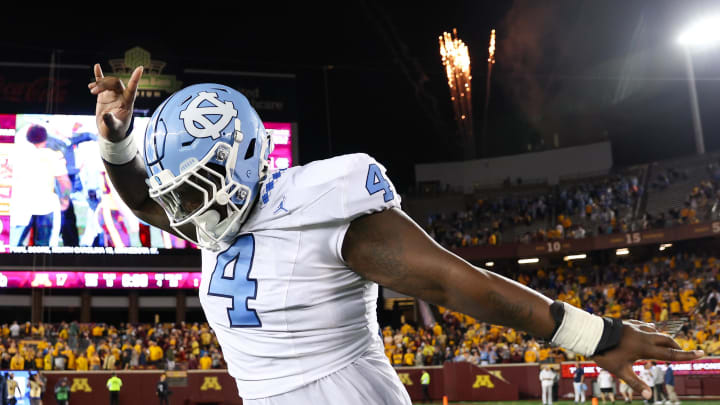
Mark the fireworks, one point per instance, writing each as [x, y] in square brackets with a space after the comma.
[491, 48]
[456, 60]
[491, 62]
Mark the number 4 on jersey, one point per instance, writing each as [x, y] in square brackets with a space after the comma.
[238, 285]
[376, 182]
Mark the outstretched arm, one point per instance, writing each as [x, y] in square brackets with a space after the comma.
[389, 248]
[113, 113]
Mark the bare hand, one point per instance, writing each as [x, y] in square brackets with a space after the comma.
[642, 341]
[114, 107]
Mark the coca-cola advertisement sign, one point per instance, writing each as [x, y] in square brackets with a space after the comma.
[33, 91]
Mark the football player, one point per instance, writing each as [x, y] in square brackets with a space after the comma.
[290, 259]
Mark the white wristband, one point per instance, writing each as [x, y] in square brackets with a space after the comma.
[579, 331]
[118, 153]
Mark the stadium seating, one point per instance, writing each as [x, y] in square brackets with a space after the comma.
[657, 195]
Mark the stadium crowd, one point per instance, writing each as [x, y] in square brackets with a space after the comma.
[700, 204]
[596, 206]
[576, 211]
[679, 293]
[97, 346]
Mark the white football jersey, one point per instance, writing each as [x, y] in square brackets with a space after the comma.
[285, 307]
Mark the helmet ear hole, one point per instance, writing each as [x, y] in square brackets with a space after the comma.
[250, 149]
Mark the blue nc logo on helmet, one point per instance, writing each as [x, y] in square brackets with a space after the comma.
[199, 114]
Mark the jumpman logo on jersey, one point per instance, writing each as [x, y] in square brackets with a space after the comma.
[280, 206]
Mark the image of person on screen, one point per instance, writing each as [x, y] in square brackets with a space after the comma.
[67, 146]
[36, 388]
[108, 221]
[41, 188]
[13, 389]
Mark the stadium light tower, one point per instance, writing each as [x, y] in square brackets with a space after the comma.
[703, 34]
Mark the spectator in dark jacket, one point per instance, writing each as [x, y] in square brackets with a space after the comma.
[670, 385]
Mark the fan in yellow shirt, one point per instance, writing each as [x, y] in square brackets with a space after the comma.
[28, 355]
[97, 330]
[647, 315]
[206, 361]
[712, 346]
[685, 342]
[156, 352]
[81, 363]
[510, 335]
[530, 356]
[205, 338]
[544, 354]
[409, 358]
[689, 303]
[17, 362]
[94, 361]
[47, 361]
[614, 310]
[428, 351]
[675, 307]
[71, 358]
[115, 351]
[90, 350]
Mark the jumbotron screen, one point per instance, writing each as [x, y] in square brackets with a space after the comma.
[33, 177]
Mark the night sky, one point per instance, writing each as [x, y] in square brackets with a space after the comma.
[584, 70]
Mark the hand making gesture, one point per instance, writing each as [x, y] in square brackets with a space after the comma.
[114, 107]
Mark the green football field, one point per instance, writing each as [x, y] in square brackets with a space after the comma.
[532, 402]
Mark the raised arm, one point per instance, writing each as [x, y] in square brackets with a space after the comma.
[113, 114]
[389, 248]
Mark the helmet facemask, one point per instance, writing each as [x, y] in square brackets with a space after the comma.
[197, 197]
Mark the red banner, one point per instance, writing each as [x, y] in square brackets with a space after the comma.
[695, 367]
